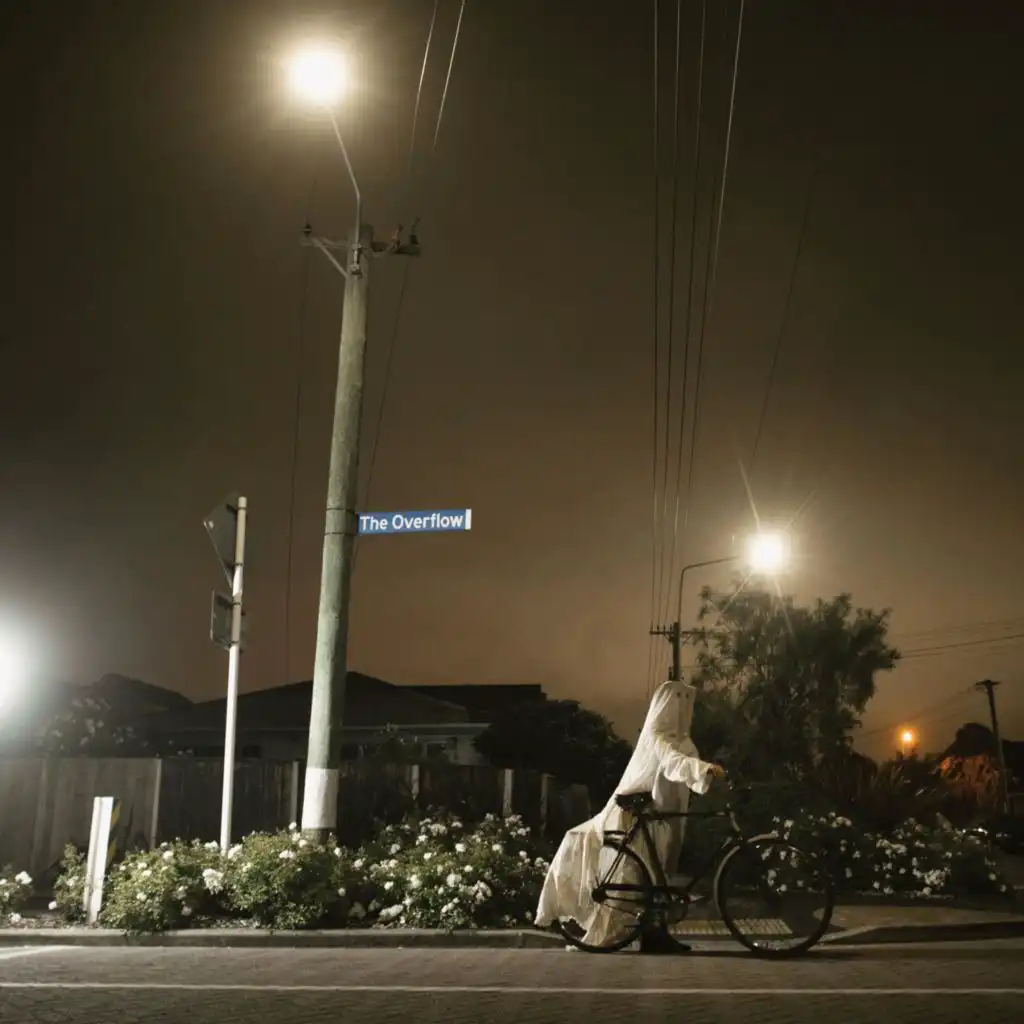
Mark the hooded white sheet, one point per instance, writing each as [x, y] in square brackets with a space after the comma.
[664, 763]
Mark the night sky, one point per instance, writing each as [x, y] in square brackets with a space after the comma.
[156, 179]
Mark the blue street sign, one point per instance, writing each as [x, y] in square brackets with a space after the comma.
[443, 521]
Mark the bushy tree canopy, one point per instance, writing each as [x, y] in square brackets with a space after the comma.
[783, 686]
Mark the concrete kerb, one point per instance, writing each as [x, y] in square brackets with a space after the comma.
[878, 935]
[355, 938]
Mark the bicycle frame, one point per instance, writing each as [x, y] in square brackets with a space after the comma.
[662, 886]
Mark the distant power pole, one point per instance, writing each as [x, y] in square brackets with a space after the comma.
[989, 686]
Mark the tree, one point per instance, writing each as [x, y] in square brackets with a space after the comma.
[784, 686]
[558, 737]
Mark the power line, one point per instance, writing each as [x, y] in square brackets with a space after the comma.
[670, 333]
[690, 278]
[925, 714]
[711, 272]
[924, 652]
[300, 351]
[656, 354]
[804, 219]
[404, 284]
[968, 627]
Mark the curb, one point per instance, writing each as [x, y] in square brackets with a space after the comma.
[356, 938]
[879, 935]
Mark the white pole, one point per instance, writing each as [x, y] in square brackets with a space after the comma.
[234, 652]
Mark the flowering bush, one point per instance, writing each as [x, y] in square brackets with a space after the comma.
[169, 887]
[438, 874]
[69, 887]
[434, 873]
[15, 890]
[283, 880]
[912, 859]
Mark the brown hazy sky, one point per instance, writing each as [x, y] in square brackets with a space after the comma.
[156, 182]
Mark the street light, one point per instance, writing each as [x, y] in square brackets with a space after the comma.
[318, 75]
[766, 554]
[12, 673]
[908, 738]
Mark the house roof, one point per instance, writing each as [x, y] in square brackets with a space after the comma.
[369, 703]
[483, 701]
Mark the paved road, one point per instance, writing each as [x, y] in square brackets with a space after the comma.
[982, 983]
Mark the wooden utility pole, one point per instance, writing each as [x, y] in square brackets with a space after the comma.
[989, 686]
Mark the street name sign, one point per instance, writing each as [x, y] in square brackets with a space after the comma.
[449, 520]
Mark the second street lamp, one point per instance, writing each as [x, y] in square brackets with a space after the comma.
[766, 553]
[320, 76]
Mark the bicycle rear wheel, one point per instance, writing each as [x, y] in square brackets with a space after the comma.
[773, 898]
[622, 915]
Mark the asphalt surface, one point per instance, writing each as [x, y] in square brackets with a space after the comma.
[977, 982]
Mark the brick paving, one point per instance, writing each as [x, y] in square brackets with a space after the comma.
[180, 986]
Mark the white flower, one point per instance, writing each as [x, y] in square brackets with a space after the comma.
[849, 873]
[16, 919]
[453, 880]
[358, 864]
[991, 876]
[395, 848]
[211, 845]
[415, 881]
[341, 892]
[388, 886]
[390, 913]
[146, 873]
[337, 851]
[186, 911]
[293, 826]
[427, 855]
[523, 855]
[53, 904]
[286, 855]
[142, 897]
[496, 847]
[167, 855]
[213, 880]
[460, 847]
[303, 843]
[23, 878]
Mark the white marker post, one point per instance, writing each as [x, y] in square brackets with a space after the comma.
[234, 654]
[96, 864]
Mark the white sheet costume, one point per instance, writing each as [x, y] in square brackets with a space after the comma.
[664, 763]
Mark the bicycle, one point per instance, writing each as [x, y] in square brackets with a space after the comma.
[746, 865]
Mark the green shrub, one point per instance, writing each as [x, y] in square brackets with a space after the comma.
[438, 874]
[283, 880]
[69, 886]
[15, 889]
[174, 886]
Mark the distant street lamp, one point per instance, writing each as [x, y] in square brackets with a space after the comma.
[908, 740]
[320, 76]
[766, 554]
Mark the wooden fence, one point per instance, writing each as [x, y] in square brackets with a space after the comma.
[46, 803]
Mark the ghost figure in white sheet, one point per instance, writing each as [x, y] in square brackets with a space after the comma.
[665, 763]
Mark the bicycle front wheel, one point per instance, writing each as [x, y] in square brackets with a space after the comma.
[773, 898]
[624, 898]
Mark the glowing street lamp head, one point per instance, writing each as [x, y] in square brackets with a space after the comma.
[12, 674]
[907, 736]
[318, 75]
[767, 553]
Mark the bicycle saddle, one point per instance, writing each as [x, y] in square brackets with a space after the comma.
[634, 802]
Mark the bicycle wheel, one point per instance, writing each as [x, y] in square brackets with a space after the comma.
[621, 916]
[773, 898]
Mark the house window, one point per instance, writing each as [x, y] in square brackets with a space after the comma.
[251, 751]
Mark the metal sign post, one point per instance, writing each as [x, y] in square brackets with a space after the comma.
[230, 547]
